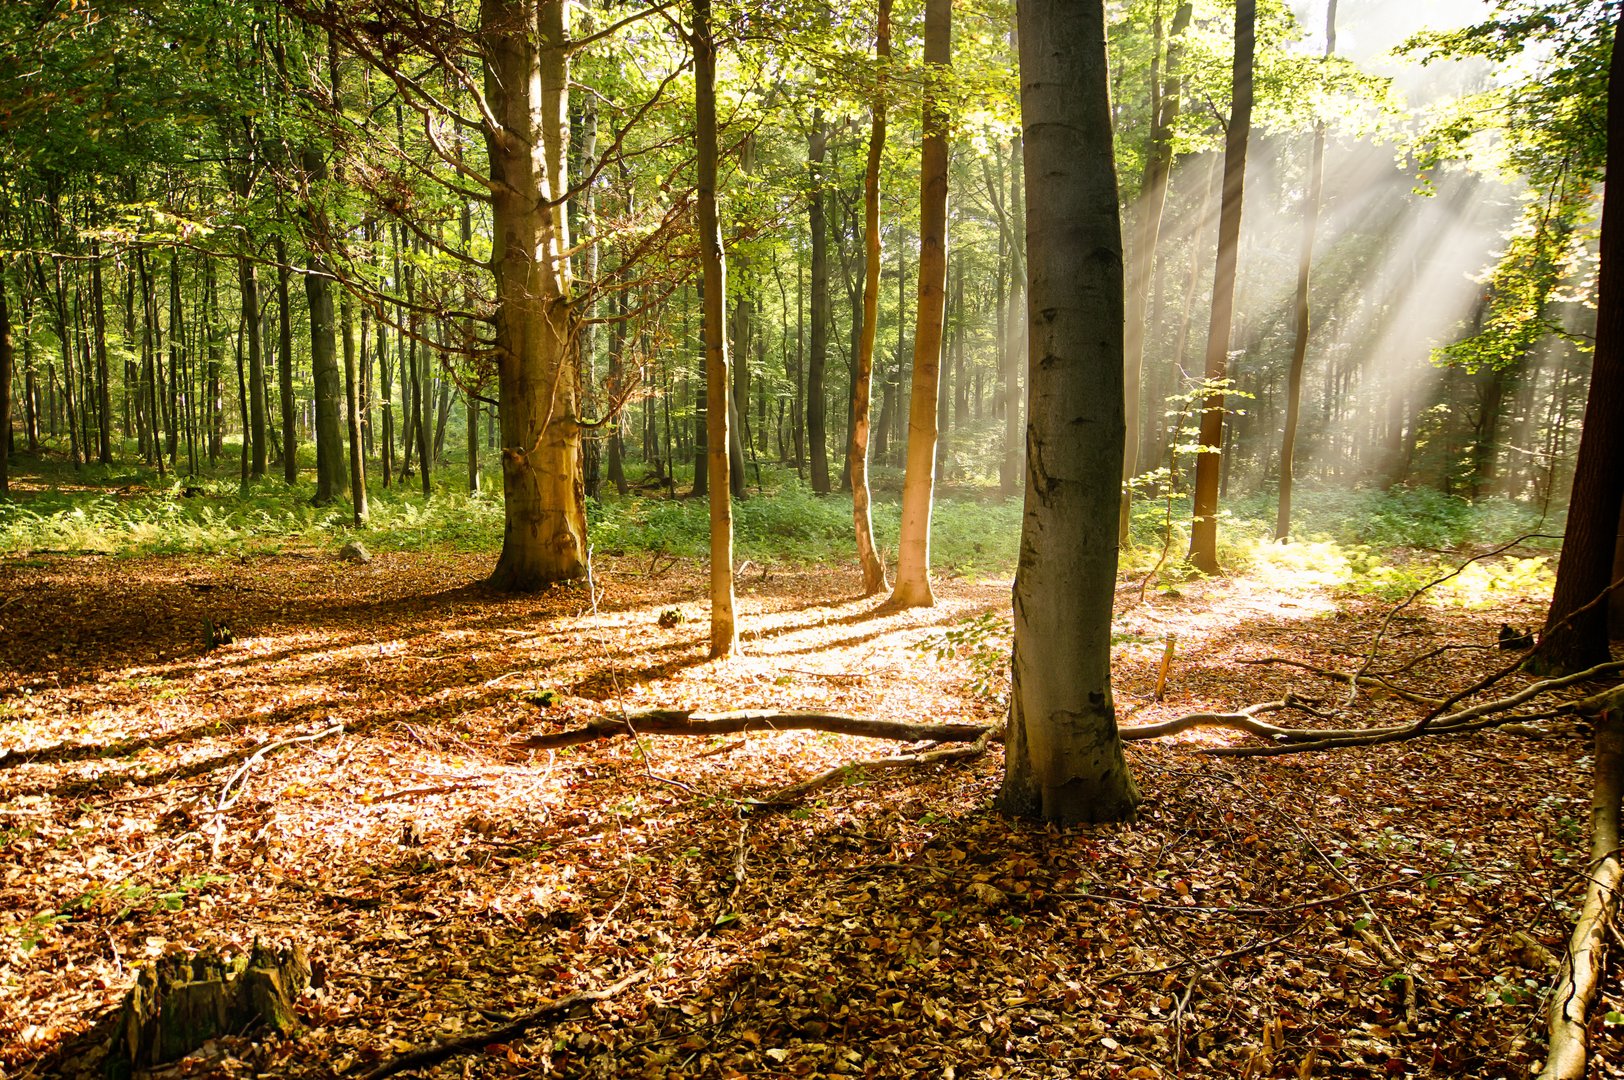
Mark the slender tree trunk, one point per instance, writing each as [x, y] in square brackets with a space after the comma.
[1013, 347]
[1299, 347]
[1063, 758]
[868, 557]
[332, 474]
[177, 360]
[919, 481]
[1209, 464]
[104, 418]
[244, 331]
[69, 395]
[818, 345]
[724, 635]
[352, 401]
[284, 365]
[5, 389]
[1575, 636]
[254, 433]
[525, 45]
[1167, 93]
[617, 380]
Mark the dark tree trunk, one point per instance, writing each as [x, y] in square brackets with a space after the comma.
[1576, 634]
[818, 346]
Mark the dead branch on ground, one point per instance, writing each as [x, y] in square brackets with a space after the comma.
[687, 722]
[559, 1009]
[1575, 991]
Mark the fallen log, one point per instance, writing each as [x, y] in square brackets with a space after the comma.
[1567, 1053]
[688, 722]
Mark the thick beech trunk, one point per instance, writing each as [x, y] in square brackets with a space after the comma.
[918, 489]
[1063, 758]
[724, 635]
[525, 46]
[867, 555]
[1209, 463]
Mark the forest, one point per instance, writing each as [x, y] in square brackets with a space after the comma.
[943, 538]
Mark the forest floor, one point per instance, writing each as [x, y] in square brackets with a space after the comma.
[1350, 914]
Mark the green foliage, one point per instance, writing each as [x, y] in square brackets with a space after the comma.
[984, 641]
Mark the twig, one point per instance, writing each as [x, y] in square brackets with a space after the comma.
[234, 787]
[1203, 961]
[560, 1008]
[438, 789]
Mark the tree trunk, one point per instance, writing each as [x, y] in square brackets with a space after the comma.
[1063, 757]
[254, 435]
[818, 346]
[1299, 347]
[724, 636]
[1208, 463]
[1575, 639]
[617, 379]
[104, 394]
[867, 554]
[1014, 344]
[332, 475]
[525, 45]
[913, 545]
[1167, 94]
[284, 365]
[352, 401]
[5, 390]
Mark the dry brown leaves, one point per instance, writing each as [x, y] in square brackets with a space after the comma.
[890, 928]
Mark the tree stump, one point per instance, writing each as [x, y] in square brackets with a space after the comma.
[182, 1000]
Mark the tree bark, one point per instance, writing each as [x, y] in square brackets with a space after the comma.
[818, 344]
[919, 479]
[352, 402]
[5, 389]
[525, 44]
[284, 367]
[104, 394]
[1063, 758]
[1576, 641]
[1208, 463]
[1305, 263]
[723, 634]
[874, 580]
[248, 285]
[1167, 92]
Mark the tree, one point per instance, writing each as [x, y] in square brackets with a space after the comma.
[1204, 528]
[919, 479]
[5, 389]
[873, 566]
[1305, 263]
[524, 45]
[1166, 91]
[818, 343]
[724, 636]
[1576, 632]
[1063, 758]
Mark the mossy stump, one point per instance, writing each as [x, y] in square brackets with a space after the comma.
[181, 1001]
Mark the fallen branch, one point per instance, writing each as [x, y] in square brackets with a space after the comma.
[686, 722]
[559, 1009]
[795, 792]
[235, 786]
[1567, 1055]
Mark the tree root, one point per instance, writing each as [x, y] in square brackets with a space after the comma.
[558, 1009]
[1575, 991]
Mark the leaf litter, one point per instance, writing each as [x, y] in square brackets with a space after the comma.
[1374, 912]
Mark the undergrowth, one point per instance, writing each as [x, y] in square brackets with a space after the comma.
[1383, 544]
